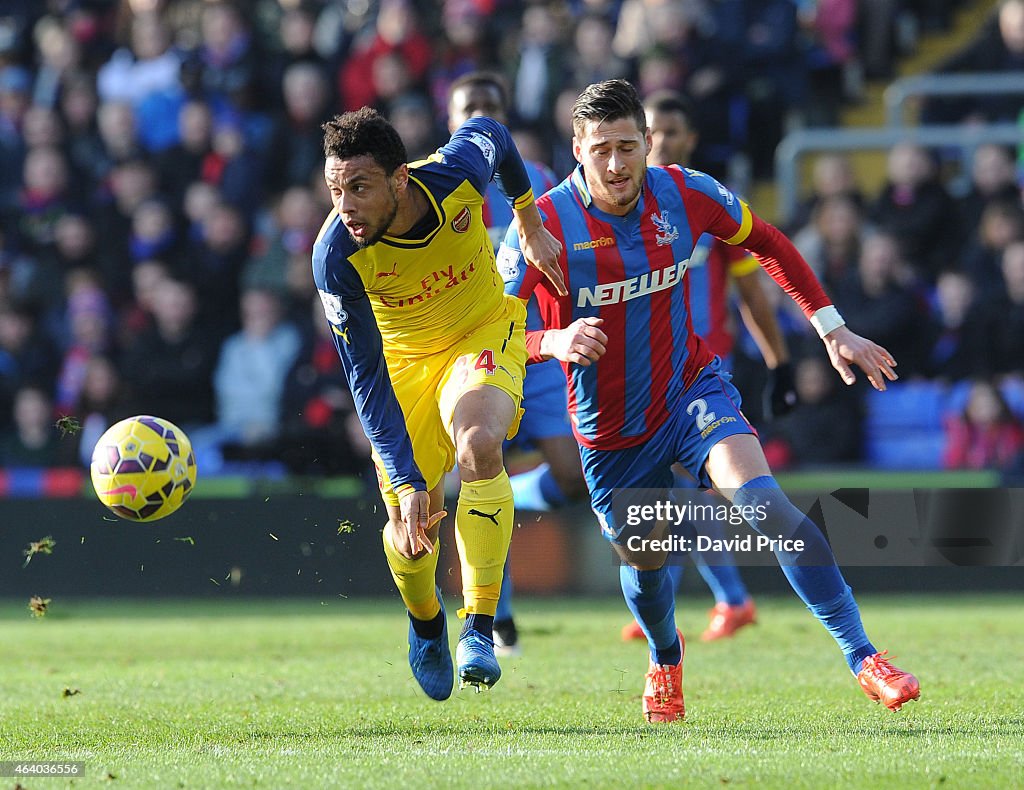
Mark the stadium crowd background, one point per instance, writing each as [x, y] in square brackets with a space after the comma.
[161, 187]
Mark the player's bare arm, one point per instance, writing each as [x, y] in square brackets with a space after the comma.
[777, 255]
[582, 342]
[759, 319]
[780, 396]
[845, 348]
[539, 247]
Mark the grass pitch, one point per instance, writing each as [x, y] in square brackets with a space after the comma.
[272, 694]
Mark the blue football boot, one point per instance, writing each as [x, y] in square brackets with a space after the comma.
[477, 665]
[431, 661]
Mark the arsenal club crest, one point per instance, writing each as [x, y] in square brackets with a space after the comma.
[461, 222]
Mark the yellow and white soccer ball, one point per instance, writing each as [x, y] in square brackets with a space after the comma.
[143, 468]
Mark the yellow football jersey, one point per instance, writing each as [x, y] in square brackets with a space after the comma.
[408, 297]
[427, 293]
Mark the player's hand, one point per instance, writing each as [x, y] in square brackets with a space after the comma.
[780, 391]
[581, 342]
[846, 348]
[417, 519]
[542, 251]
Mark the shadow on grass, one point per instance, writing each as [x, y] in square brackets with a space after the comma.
[456, 730]
[763, 731]
[905, 725]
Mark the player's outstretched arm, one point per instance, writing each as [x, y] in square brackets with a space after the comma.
[359, 345]
[539, 247]
[732, 221]
[488, 143]
[582, 342]
[846, 348]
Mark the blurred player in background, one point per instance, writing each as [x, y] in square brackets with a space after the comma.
[712, 266]
[645, 392]
[434, 355]
[545, 425]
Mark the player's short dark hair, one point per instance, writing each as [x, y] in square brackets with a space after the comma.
[486, 79]
[610, 100]
[670, 101]
[364, 132]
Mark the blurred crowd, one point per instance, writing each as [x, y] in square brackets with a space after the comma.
[161, 187]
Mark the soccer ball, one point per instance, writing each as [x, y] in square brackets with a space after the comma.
[143, 468]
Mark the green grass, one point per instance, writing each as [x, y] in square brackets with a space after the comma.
[200, 694]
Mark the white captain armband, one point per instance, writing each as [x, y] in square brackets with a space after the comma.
[826, 319]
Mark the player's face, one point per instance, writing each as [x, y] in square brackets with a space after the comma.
[613, 155]
[365, 197]
[471, 101]
[672, 139]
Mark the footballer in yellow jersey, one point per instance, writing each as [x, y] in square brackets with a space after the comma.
[435, 356]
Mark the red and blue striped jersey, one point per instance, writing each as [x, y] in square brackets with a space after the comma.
[631, 271]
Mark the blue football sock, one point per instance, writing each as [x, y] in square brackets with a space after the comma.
[651, 599]
[717, 568]
[812, 572]
[674, 562]
[428, 629]
[841, 618]
[483, 623]
[675, 572]
[723, 578]
[504, 610]
[550, 490]
[527, 490]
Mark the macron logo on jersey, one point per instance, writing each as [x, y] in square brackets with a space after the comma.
[593, 244]
[634, 287]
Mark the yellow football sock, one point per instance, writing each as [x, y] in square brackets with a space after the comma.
[415, 580]
[483, 528]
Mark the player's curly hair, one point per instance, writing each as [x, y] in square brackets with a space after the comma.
[610, 100]
[364, 132]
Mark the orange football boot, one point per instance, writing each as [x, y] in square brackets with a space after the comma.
[887, 684]
[663, 690]
[726, 620]
[632, 631]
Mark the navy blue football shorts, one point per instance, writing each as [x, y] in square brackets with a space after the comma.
[708, 411]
